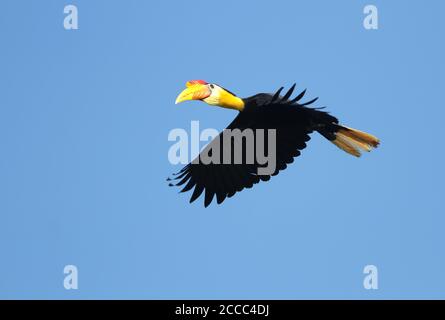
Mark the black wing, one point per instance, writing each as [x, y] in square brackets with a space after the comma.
[293, 123]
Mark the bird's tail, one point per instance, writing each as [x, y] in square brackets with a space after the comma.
[351, 140]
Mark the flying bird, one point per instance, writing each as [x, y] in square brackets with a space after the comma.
[292, 121]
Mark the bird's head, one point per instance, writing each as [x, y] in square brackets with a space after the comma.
[211, 94]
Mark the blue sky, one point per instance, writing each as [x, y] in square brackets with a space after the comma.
[84, 120]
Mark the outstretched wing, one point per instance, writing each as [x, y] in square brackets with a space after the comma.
[292, 122]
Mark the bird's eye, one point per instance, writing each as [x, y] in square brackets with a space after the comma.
[212, 86]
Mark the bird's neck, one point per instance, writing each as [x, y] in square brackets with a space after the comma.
[233, 102]
[228, 100]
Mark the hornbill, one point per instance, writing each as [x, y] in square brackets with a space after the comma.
[292, 122]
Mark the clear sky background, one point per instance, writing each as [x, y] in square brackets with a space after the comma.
[84, 120]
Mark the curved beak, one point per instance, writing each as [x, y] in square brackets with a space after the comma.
[194, 92]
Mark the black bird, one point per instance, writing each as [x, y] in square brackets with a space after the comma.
[292, 122]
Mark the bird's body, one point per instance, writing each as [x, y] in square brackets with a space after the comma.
[292, 123]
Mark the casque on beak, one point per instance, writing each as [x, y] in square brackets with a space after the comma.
[196, 90]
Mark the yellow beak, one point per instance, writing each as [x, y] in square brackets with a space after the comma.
[194, 92]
